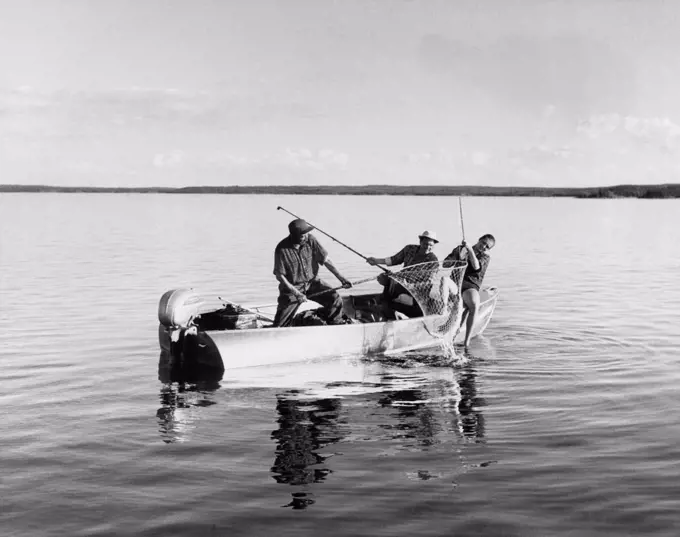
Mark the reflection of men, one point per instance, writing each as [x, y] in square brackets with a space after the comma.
[417, 420]
[300, 434]
[296, 267]
[471, 417]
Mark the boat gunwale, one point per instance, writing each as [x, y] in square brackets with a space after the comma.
[492, 297]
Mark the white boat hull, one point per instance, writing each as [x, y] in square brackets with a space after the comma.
[232, 349]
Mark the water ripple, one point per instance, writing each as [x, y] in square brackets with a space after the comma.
[560, 420]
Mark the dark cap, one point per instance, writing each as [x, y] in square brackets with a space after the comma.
[299, 227]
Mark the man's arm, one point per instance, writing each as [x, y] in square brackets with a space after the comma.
[379, 261]
[291, 288]
[455, 255]
[462, 253]
[323, 259]
[331, 267]
[396, 259]
[472, 257]
[279, 271]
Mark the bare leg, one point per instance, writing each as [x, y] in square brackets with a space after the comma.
[471, 300]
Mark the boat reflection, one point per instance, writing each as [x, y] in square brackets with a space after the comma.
[184, 391]
[412, 401]
[431, 404]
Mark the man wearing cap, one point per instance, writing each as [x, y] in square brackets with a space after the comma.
[296, 267]
[411, 254]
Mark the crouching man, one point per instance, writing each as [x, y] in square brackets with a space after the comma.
[296, 267]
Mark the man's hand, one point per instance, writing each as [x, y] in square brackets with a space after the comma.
[371, 261]
[346, 284]
[301, 297]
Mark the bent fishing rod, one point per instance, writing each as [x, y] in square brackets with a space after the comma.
[333, 238]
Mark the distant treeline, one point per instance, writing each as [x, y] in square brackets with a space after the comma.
[618, 191]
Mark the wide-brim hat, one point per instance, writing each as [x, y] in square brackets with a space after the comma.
[429, 235]
[299, 227]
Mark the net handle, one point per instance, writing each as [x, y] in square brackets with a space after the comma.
[460, 211]
[384, 269]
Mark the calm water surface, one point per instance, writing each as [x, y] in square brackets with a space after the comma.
[563, 421]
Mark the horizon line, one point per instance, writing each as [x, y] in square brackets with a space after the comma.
[18, 186]
[658, 191]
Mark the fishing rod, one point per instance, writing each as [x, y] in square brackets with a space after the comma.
[333, 238]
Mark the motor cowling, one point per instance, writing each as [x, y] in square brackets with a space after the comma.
[178, 307]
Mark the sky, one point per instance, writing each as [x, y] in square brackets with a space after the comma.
[307, 92]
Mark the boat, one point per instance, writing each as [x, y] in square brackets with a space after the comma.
[224, 335]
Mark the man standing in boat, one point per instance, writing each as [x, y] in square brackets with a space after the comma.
[296, 267]
[411, 254]
[477, 258]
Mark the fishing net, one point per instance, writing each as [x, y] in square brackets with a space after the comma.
[436, 289]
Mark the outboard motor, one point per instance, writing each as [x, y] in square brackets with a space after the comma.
[176, 309]
[179, 332]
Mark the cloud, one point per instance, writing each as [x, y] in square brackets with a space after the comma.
[72, 111]
[436, 158]
[334, 158]
[301, 159]
[577, 74]
[603, 149]
[480, 158]
[168, 160]
[657, 132]
[188, 137]
[609, 149]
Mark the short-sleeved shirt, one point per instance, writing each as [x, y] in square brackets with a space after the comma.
[472, 278]
[409, 255]
[299, 265]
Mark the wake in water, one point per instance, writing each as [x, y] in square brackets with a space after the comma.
[446, 355]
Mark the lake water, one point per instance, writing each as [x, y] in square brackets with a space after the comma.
[564, 421]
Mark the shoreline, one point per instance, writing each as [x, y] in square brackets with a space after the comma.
[660, 191]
